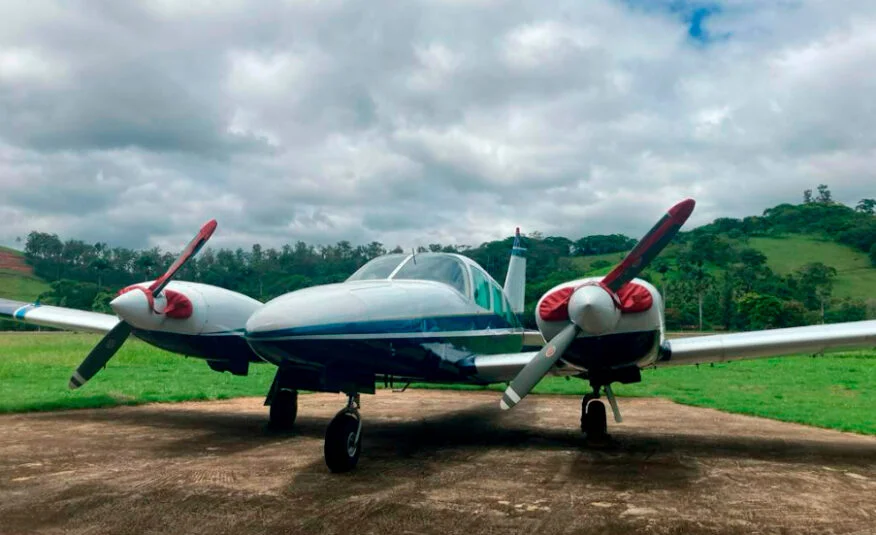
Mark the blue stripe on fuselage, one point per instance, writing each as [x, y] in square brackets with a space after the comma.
[472, 322]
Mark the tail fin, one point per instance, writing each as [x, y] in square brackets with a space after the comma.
[515, 280]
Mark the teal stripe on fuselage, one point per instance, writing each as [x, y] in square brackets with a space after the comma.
[437, 324]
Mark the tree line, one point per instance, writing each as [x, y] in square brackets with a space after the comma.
[711, 278]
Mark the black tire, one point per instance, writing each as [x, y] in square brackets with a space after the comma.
[341, 447]
[595, 422]
[284, 409]
[584, 401]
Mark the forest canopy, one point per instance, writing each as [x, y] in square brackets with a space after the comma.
[711, 277]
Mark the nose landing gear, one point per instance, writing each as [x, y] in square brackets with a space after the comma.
[343, 438]
[593, 421]
[593, 416]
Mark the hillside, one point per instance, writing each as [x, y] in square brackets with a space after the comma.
[17, 280]
[785, 254]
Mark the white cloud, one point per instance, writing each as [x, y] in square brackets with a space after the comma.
[419, 122]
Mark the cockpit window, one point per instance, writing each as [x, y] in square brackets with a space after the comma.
[378, 268]
[441, 268]
[481, 288]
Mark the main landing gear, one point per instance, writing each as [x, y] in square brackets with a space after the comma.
[284, 409]
[343, 438]
[593, 416]
[283, 401]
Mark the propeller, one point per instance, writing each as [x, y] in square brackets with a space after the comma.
[594, 308]
[113, 340]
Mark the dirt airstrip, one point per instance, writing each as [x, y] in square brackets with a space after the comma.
[433, 462]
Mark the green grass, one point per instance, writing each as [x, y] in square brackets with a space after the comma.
[19, 286]
[836, 391]
[855, 275]
[35, 369]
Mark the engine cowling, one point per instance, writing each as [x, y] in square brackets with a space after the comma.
[185, 308]
[596, 310]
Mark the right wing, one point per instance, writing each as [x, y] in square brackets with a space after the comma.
[69, 319]
[769, 343]
[700, 349]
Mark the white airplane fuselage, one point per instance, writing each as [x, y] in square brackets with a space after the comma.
[417, 329]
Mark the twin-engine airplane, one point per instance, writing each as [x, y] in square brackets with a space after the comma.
[429, 317]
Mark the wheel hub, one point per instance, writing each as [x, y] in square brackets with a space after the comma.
[351, 444]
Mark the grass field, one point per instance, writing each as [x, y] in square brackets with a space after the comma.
[35, 369]
[855, 275]
[835, 391]
[19, 286]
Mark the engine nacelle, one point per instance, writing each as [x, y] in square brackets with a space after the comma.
[187, 308]
[598, 312]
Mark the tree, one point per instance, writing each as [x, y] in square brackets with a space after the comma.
[824, 196]
[847, 310]
[816, 284]
[99, 265]
[866, 206]
[873, 255]
[762, 311]
[807, 196]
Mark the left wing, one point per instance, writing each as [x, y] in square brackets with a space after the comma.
[69, 319]
[770, 343]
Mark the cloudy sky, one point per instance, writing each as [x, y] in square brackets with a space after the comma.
[420, 121]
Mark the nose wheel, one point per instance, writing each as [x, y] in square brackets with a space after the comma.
[343, 438]
[593, 417]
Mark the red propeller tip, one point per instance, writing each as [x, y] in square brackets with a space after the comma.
[209, 227]
[681, 211]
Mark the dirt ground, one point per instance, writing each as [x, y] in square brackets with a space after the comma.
[433, 462]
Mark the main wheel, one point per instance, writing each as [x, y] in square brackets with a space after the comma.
[343, 443]
[284, 409]
[595, 423]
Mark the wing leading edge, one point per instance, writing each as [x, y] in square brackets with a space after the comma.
[771, 343]
[68, 319]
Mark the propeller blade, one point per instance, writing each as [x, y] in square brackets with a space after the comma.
[191, 250]
[538, 367]
[100, 355]
[649, 246]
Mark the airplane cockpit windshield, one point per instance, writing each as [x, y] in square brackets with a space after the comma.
[437, 267]
[378, 268]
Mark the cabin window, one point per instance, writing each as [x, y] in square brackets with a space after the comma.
[498, 302]
[481, 284]
[440, 268]
[510, 316]
[378, 268]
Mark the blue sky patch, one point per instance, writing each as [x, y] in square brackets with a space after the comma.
[694, 14]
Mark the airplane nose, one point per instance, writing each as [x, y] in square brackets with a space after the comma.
[130, 304]
[593, 309]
